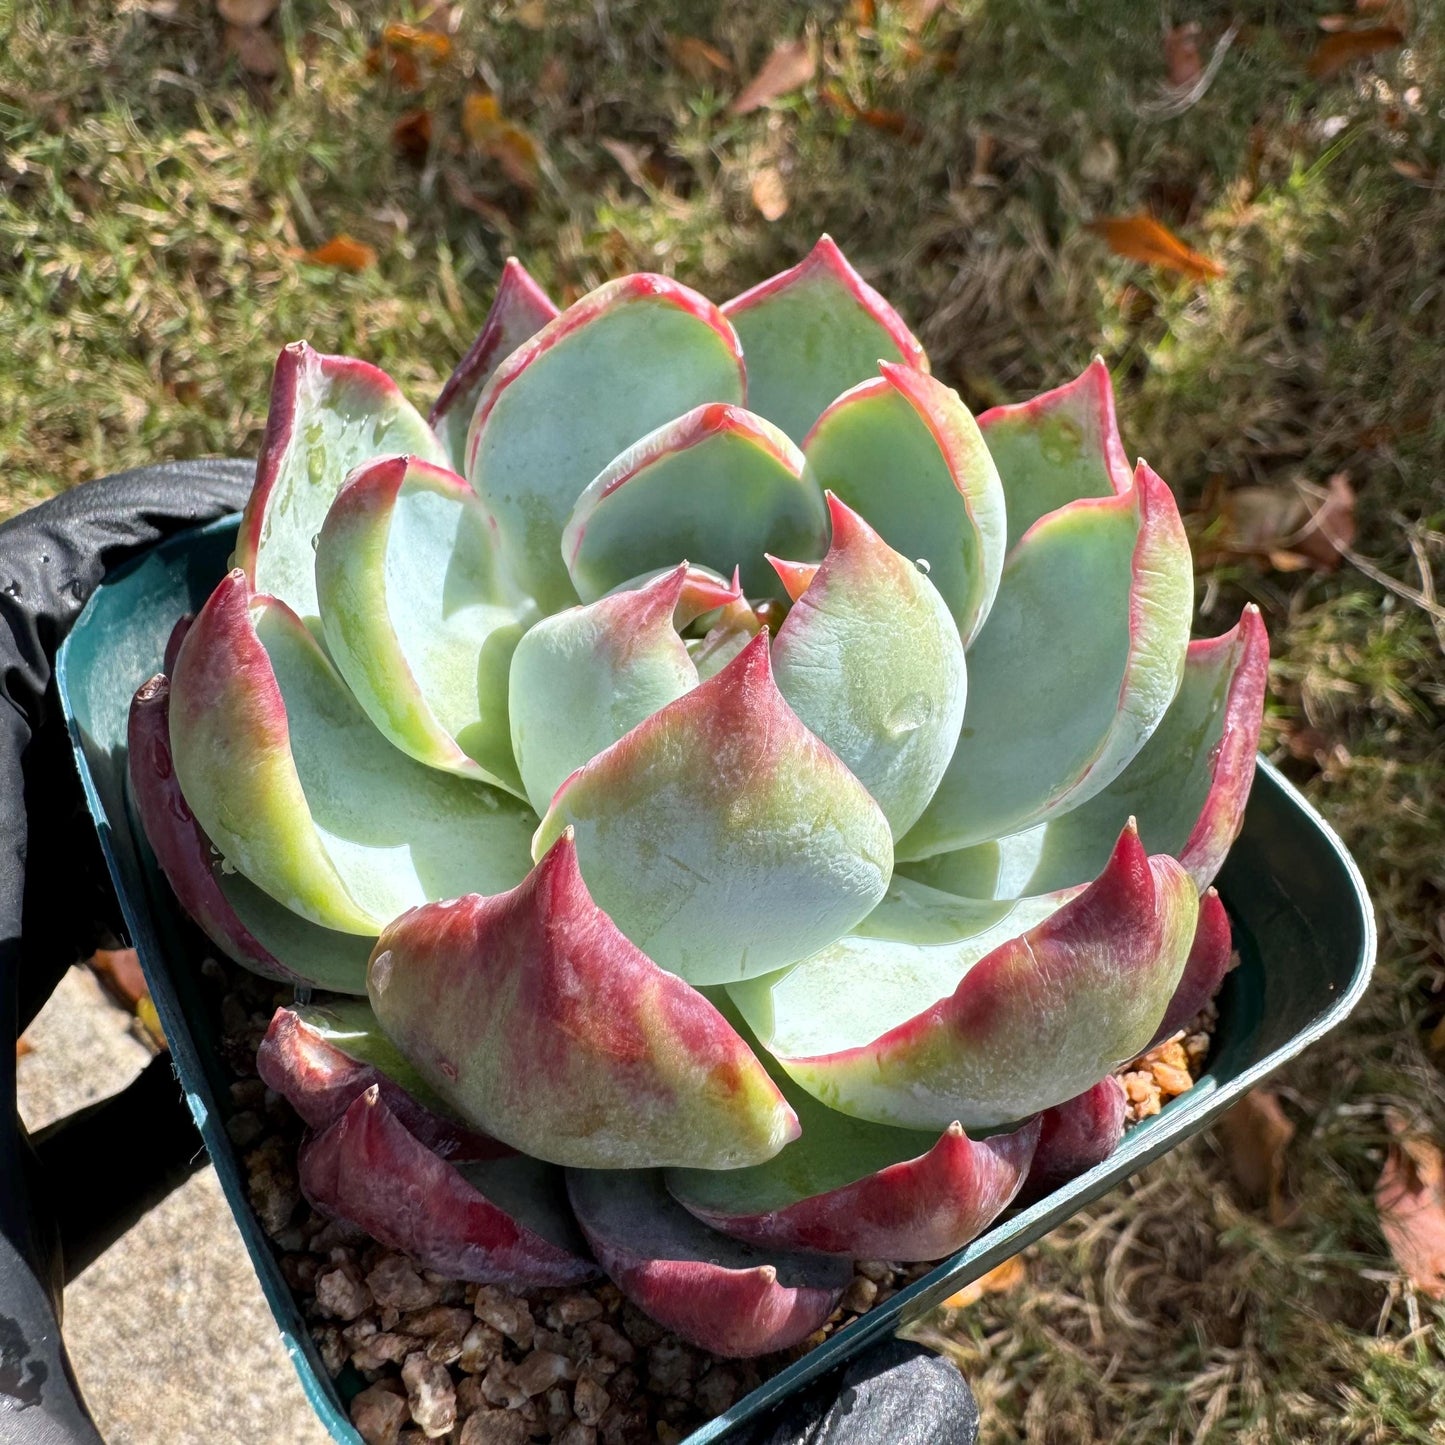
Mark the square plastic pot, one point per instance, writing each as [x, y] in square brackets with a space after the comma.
[1302, 924]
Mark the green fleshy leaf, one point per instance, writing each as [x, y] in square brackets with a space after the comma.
[1056, 448]
[721, 836]
[902, 450]
[328, 415]
[718, 486]
[419, 616]
[810, 333]
[625, 359]
[519, 310]
[870, 659]
[583, 678]
[1186, 788]
[300, 792]
[920, 1037]
[1081, 656]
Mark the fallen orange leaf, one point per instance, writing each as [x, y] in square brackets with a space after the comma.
[345, 253]
[1293, 528]
[790, 67]
[1335, 52]
[697, 58]
[892, 121]
[512, 147]
[999, 1280]
[1410, 1198]
[1255, 1134]
[119, 971]
[417, 40]
[1141, 238]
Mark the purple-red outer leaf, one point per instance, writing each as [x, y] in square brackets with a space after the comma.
[1074, 1136]
[369, 1170]
[321, 1082]
[717, 1293]
[1204, 969]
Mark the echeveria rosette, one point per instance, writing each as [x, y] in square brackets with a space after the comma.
[734, 774]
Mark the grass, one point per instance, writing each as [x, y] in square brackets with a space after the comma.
[156, 208]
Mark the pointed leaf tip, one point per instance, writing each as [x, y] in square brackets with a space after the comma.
[776, 818]
[539, 1021]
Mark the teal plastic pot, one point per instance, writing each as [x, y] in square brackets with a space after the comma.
[1302, 924]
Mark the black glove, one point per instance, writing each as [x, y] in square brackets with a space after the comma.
[57, 907]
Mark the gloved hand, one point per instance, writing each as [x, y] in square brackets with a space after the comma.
[57, 907]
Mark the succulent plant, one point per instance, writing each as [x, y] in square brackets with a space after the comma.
[738, 807]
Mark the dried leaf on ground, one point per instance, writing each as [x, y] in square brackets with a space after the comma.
[1181, 54]
[411, 135]
[770, 193]
[1410, 1198]
[790, 67]
[696, 58]
[420, 40]
[1001, 1279]
[1254, 1135]
[1334, 52]
[630, 158]
[256, 51]
[895, 122]
[248, 14]
[514, 149]
[1291, 528]
[119, 972]
[1141, 238]
[345, 253]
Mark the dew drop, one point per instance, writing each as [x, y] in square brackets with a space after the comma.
[907, 716]
[379, 975]
[923, 565]
[12, 589]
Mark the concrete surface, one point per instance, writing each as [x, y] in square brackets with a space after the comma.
[170, 1336]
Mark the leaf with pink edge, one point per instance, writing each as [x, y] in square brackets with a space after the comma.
[496, 1221]
[870, 660]
[298, 790]
[847, 1186]
[903, 451]
[1074, 1136]
[246, 924]
[1057, 447]
[919, 1037]
[540, 1023]
[719, 1294]
[583, 678]
[320, 1057]
[556, 412]
[328, 415]
[718, 486]
[720, 872]
[420, 617]
[1081, 656]
[1204, 969]
[520, 309]
[813, 331]
[1187, 787]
